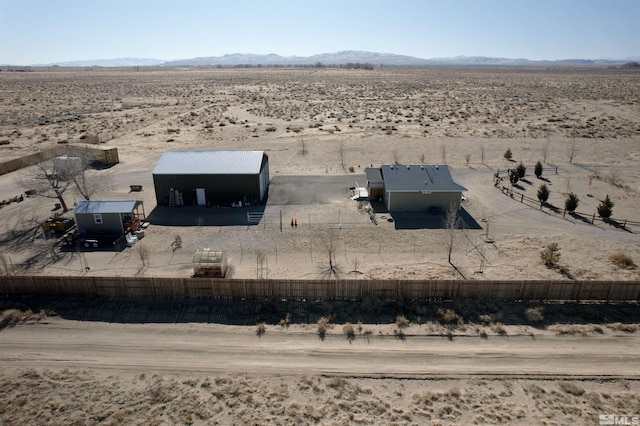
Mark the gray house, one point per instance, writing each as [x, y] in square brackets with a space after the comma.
[416, 187]
[211, 177]
[108, 217]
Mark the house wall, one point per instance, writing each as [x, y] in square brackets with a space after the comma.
[111, 224]
[416, 201]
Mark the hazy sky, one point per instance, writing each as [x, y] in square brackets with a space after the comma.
[45, 31]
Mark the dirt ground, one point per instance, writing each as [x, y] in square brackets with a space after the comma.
[582, 124]
[315, 125]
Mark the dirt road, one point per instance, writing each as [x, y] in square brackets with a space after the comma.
[229, 349]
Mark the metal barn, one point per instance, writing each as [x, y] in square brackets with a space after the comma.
[211, 178]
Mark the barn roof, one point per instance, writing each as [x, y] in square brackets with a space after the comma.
[414, 178]
[209, 163]
[106, 206]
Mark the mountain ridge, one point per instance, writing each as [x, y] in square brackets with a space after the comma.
[338, 58]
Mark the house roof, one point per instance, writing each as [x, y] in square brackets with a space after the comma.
[373, 174]
[209, 163]
[414, 178]
[106, 206]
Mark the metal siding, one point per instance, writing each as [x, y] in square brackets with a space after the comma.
[219, 189]
[210, 162]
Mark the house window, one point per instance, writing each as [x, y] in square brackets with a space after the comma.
[97, 218]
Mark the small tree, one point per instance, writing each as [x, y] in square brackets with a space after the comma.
[538, 169]
[550, 255]
[571, 203]
[467, 158]
[605, 208]
[521, 170]
[508, 154]
[543, 193]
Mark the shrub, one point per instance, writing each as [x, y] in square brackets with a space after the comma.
[508, 154]
[323, 326]
[348, 331]
[260, 329]
[605, 208]
[543, 193]
[571, 388]
[551, 254]
[571, 203]
[621, 260]
[521, 170]
[10, 317]
[538, 169]
[402, 321]
[534, 314]
[286, 321]
[447, 316]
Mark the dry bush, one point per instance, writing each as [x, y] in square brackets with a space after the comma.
[348, 331]
[571, 388]
[447, 316]
[402, 322]
[260, 329]
[627, 328]
[286, 321]
[323, 326]
[534, 314]
[499, 328]
[359, 326]
[10, 318]
[621, 260]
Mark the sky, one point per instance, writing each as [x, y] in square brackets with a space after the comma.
[48, 31]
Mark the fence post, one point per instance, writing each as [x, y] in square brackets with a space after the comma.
[522, 198]
[556, 169]
[593, 218]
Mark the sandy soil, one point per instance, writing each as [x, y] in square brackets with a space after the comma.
[585, 122]
[67, 372]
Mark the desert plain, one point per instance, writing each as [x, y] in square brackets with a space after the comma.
[320, 129]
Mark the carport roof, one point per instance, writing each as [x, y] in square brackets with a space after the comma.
[106, 206]
[414, 178]
[209, 163]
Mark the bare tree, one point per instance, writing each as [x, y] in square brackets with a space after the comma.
[86, 184]
[422, 158]
[342, 162]
[395, 157]
[451, 222]
[545, 148]
[329, 243]
[443, 151]
[482, 154]
[304, 147]
[572, 150]
[467, 158]
[47, 182]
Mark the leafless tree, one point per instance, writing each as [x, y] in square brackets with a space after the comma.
[443, 151]
[422, 158]
[467, 158]
[304, 147]
[395, 157]
[481, 154]
[452, 221]
[545, 148]
[330, 245]
[342, 162]
[572, 150]
[47, 181]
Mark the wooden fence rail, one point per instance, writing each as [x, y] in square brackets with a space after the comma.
[319, 289]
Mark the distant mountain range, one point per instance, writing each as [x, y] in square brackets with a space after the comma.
[339, 58]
